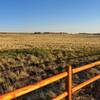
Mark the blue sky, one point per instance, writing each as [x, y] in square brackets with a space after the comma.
[50, 15]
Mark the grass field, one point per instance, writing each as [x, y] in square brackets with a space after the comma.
[28, 58]
[54, 41]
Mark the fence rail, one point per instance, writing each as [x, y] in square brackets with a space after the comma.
[69, 90]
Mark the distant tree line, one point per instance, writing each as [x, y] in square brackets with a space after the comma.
[48, 33]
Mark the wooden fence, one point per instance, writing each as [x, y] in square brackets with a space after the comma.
[69, 91]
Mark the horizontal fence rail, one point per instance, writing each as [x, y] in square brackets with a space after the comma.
[61, 96]
[69, 90]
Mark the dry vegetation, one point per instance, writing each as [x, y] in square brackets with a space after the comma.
[54, 41]
[28, 58]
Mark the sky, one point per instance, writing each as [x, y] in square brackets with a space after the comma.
[50, 16]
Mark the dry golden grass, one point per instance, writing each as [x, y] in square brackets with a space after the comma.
[17, 41]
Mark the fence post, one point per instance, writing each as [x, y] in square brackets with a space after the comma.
[69, 83]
